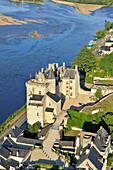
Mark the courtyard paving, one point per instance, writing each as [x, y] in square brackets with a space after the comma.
[82, 99]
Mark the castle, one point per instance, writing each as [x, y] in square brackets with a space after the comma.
[48, 89]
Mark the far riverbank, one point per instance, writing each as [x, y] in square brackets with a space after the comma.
[82, 8]
[28, 1]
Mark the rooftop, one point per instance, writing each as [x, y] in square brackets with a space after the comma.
[92, 156]
[54, 97]
[37, 97]
[28, 141]
[105, 48]
[70, 73]
[15, 132]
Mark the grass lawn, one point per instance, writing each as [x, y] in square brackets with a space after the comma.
[105, 105]
[105, 82]
[72, 133]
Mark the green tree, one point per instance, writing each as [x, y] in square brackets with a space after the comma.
[34, 128]
[106, 64]
[85, 59]
[100, 34]
[98, 93]
[107, 25]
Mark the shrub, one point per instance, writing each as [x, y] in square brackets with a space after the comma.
[98, 93]
[34, 128]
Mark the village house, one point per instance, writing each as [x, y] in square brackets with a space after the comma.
[47, 91]
[93, 150]
[107, 48]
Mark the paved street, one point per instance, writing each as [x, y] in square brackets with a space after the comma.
[17, 121]
[80, 100]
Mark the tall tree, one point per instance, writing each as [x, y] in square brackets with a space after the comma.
[85, 59]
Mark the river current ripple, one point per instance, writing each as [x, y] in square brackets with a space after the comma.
[64, 32]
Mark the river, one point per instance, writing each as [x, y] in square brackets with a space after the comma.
[64, 32]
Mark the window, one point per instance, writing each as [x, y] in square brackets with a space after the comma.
[70, 81]
[66, 86]
[40, 92]
[70, 88]
[71, 94]
[37, 114]
[49, 104]
[66, 82]
[66, 91]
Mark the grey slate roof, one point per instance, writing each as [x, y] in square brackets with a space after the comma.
[93, 156]
[28, 141]
[48, 109]
[3, 163]
[54, 97]
[12, 162]
[16, 132]
[37, 97]
[44, 131]
[21, 152]
[49, 74]
[4, 152]
[105, 48]
[7, 163]
[70, 73]
[101, 139]
[7, 143]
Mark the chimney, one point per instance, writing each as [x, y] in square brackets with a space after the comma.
[42, 70]
[64, 66]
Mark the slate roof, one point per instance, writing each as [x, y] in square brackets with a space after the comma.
[37, 97]
[7, 143]
[93, 156]
[16, 132]
[101, 139]
[4, 152]
[54, 97]
[21, 152]
[28, 141]
[44, 131]
[48, 109]
[70, 73]
[50, 74]
[105, 48]
[4, 163]
[12, 162]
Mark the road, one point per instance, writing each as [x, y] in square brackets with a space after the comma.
[17, 121]
[101, 43]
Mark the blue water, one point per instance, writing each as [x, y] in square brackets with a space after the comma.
[64, 32]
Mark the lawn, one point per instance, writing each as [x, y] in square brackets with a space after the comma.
[104, 106]
[105, 82]
[72, 133]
